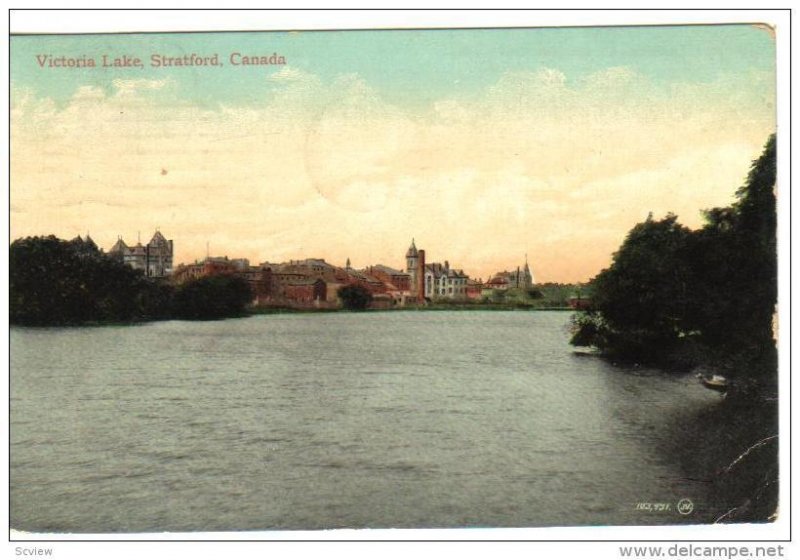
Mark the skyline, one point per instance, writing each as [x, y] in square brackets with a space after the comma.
[484, 145]
[388, 261]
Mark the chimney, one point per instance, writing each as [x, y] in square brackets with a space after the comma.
[421, 276]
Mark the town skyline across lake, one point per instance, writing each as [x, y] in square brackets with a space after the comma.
[157, 244]
[313, 280]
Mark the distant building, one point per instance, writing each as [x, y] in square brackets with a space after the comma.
[85, 246]
[210, 266]
[315, 268]
[154, 259]
[364, 279]
[474, 288]
[259, 278]
[315, 282]
[415, 267]
[300, 283]
[306, 291]
[260, 281]
[579, 302]
[434, 280]
[519, 278]
[394, 280]
[443, 282]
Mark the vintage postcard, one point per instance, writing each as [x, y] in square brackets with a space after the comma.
[303, 280]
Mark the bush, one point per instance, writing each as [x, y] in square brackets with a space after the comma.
[57, 282]
[211, 297]
[354, 297]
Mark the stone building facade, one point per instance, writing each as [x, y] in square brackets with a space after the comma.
[153, 259]
[443, 282]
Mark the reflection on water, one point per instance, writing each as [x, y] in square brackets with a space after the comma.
[405, 419]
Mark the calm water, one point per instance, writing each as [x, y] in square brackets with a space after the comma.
[306, 421]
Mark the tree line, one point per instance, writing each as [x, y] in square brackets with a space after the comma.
[684, 298]
[58, 282]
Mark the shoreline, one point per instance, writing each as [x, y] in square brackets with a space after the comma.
[256, 311]
[268, 310]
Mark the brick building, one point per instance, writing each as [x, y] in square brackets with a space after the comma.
[258, 278]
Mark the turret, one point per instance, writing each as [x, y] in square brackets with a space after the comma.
[528, 274]
[412, 255]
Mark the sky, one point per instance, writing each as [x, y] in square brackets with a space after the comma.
[484, 146]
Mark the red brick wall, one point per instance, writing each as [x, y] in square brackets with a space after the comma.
[400, 282]
[421, 276]
[299, 292]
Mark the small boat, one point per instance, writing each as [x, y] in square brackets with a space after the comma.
[715, 382]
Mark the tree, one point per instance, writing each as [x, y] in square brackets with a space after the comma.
[57, 282]
[640, 300]
[671, 293]
[212, 297]
[354, 297]
[734, 264]
[757, 236]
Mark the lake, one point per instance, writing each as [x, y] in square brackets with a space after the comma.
[316, 421]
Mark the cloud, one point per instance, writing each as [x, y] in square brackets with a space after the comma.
[537, 163]
[289, 74]
[125, 87]
[88, 93]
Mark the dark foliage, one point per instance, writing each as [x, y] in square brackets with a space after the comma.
[745, 246]
[680, 297]
[56, 282]
[354, 297]
[212, 297]
[642, 297]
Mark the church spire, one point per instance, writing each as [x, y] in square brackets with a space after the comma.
[412, 251]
